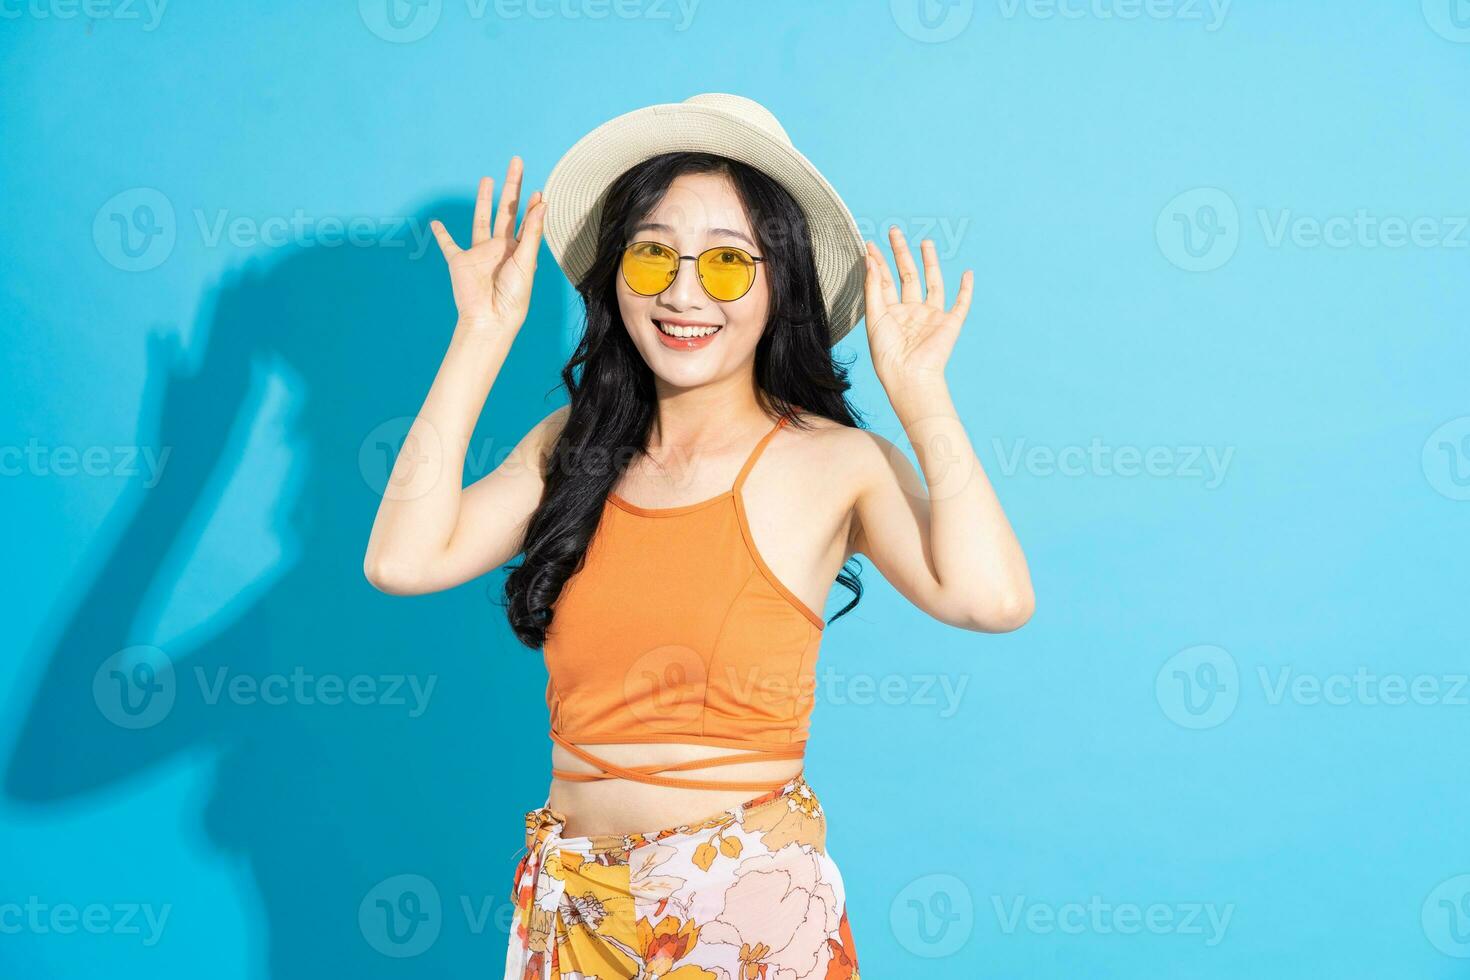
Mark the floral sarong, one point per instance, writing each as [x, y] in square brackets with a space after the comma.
[749, 893]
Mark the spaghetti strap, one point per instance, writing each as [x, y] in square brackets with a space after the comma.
[755, 454]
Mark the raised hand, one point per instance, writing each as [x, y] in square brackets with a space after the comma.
[492, 278]
[911, 336]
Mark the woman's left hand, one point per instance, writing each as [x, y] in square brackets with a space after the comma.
[911, 336]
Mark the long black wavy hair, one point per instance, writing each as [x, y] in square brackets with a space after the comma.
[611, 386]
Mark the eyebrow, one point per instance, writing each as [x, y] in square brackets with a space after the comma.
[655, 226]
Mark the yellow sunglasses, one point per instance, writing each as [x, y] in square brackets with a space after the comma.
[725, 272]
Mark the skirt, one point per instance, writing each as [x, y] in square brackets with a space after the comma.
[749, 892]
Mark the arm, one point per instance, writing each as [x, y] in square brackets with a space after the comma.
[431, 532]
[943, 542]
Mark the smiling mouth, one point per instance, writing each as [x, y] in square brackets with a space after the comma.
[685, 333]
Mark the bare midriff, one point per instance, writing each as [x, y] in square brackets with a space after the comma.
[619, 806]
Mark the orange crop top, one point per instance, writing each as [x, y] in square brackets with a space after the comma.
[674, 629]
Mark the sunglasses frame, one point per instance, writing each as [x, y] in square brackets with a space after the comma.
[757, 259]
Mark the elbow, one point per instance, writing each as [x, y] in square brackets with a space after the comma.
[392, 578]
[1005, 613]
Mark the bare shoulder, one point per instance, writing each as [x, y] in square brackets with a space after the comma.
[842, 454]
[544, 434]
[555, 420]
[820, 433]
[527, 459]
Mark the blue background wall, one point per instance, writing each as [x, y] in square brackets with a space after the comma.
[1216, 366]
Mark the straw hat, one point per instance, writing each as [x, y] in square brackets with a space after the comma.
[714, 122]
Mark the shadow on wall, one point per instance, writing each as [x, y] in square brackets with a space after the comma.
[357, 737]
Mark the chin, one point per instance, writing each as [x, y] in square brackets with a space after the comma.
[671, 372]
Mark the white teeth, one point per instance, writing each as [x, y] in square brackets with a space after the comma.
[685, 333]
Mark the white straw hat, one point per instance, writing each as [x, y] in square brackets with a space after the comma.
[714, 122]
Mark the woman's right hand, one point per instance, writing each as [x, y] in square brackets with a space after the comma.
[492, 278]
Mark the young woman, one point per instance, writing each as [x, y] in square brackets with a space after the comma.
[682, 520]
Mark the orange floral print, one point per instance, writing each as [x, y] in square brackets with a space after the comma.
[749, 893]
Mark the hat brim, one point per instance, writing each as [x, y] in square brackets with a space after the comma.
[578, 184]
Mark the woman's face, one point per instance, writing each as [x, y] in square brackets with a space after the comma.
[698, 212]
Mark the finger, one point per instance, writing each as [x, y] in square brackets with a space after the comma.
[483, 197]
[510, 200]
[885, 281]
[446, 241]
[933, 278]
[908, 273]
[873, 288]
[529, 245]
[961, 307]
[530, 203]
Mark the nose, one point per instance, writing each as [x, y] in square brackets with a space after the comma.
[685, 292]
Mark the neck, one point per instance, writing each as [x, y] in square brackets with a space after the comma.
[706, 418]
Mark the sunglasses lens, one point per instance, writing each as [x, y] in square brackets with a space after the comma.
[649, 267]
[727, 272]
